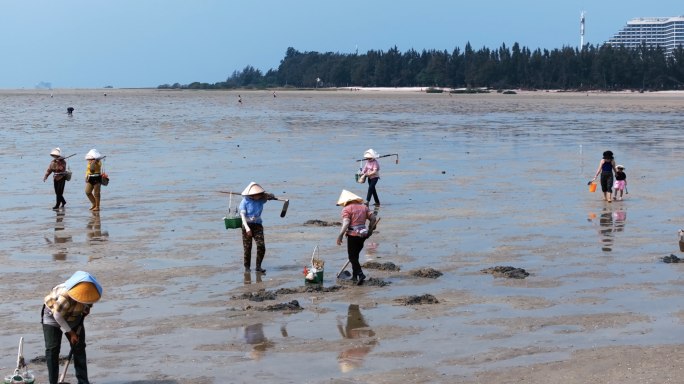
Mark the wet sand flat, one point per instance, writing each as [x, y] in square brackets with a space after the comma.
[483, 180]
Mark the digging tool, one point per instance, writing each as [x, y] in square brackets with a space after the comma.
[347, 263]
[380, 157]
[71, 353]
[285, 206]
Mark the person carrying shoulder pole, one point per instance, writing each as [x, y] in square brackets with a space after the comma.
[372, 171]
[58, 168]
[354, 215]
[63, 311]
[252, 228]
[93, 178]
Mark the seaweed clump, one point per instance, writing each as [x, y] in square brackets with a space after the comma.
[418, 300]
[387, 266]
[507, 272]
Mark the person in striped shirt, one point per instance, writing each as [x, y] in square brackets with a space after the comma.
[354, 215]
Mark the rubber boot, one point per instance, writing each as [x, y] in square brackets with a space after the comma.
[92, 201]
[362, 277]
[97, 205]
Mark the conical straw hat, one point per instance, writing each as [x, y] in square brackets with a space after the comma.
[346, 197]
[56, 152]
[370, 154]
[93, 154]
[253, 189]
[85, 293]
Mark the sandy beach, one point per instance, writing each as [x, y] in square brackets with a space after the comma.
[483, 180]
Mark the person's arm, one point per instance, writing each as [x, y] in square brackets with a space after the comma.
[345, 226]
[243, 214]
[612, 162]
[49, 171]
[269, 196]
[372, 219]
[598, 170]
[62, 322]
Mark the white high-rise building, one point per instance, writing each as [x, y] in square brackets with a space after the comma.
[668, 32]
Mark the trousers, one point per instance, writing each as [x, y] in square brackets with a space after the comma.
[607, 181]
[59, 190]
[354, 247]
[53, 343]
[258, 236]
[371, 190]
[93, 190]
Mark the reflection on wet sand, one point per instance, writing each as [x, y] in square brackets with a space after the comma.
[94, 227]
[609, 223]
[248, 279]
[356, 328]
[254, 334]
[61, 253]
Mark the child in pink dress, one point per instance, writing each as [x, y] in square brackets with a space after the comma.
[620, 182]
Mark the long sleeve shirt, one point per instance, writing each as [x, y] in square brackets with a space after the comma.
[58, 169]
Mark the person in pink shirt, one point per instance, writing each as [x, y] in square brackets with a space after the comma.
[354, 215]
[372, 172]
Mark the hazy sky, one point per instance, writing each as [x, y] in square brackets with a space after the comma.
[145, 43]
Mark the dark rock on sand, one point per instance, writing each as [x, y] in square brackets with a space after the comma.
[418, 300]
[671, 259]
[259, 296]
[429, 273]
[308, 289]
[291, 306]
[507, 272]
[387, 266]
[321, 223]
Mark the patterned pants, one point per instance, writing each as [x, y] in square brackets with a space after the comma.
[258, 236]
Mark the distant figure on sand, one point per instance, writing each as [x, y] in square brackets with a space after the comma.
[239, 101]
[70, 111]
[274, 95]
[606, 169]
[620, 182]
[372, 172]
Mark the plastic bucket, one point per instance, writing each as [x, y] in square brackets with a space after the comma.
[318, 278]
[233, 222]
[592, 187]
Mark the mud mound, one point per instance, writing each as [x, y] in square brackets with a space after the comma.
[429, 273]
[388, 266]
[418, 300]
[259, 296]
[308, 289]
[507, 272]
[291, 306]
[671, 259]
[372, 282]
[41, 360]
[321, 223]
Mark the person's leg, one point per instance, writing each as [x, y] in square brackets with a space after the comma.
[59, 190]
[370, 190]
[80, 360]
[247, 246]
[258, 234]
[375, 192]
[53, 341]
[96, 192]
[89, 194]
[57, 194]
[354, 247]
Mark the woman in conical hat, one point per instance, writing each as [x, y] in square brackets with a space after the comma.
[58, 168]
[252, 228]
[354, 216]
[93, 178]
[63, 310]
[372, 172]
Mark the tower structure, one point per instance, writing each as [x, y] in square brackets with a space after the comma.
[582, 28]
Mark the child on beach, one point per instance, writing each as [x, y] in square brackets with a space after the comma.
[620, 181]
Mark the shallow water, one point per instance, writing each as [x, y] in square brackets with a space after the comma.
[513, 192]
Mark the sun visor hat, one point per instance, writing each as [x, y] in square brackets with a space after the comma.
[56, 152]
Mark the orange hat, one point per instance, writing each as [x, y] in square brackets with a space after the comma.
[85, 292]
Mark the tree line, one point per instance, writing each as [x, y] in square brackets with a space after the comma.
[604, 67]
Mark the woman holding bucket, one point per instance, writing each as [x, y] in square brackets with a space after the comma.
[252, 228]
[93, 178]
[372, 172]
[606, 169]
[58, 168]
[354, 215]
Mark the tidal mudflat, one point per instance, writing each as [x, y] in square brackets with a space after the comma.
[482, 181]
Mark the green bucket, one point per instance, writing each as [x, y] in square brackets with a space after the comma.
[318, 278]
[233, 222]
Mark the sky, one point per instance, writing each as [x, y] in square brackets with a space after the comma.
[145, 43]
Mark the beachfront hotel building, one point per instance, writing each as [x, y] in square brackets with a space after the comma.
[667, 32]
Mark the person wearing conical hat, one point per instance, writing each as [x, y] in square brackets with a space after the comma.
[64, 309]
[93, 178]
[58, 168]
[250, 209]
[372, 172]
[354, 216]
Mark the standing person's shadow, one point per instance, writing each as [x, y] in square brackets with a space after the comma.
[609, 224]
[59, 240]
[356, 328]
